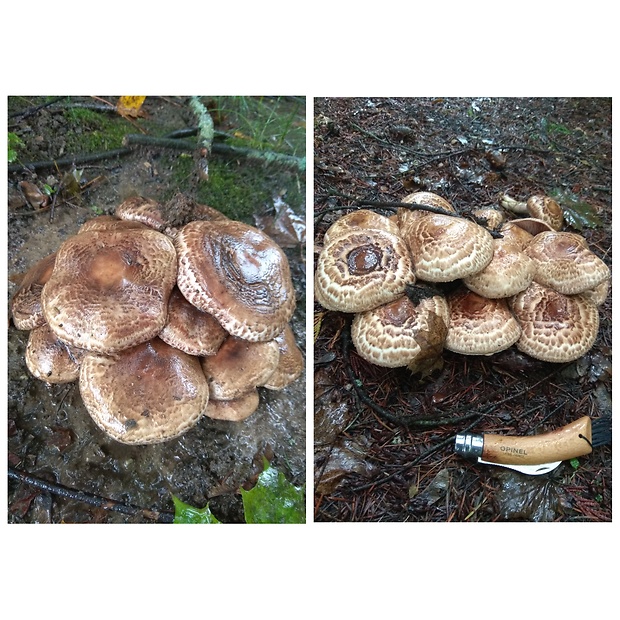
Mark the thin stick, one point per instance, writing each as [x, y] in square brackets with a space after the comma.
[69, 161]
[90, 498]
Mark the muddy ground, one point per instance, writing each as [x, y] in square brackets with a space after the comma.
[50, 434]
[369, 467]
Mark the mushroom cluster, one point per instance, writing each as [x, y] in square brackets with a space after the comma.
[427, 279]
[161, 324]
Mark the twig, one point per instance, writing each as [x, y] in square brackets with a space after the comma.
[164, 143]
[91, 498]
[33, 110]
[69, 161]
[269, 157]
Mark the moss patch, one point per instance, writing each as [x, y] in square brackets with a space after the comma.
[90, 131]
[237, 190]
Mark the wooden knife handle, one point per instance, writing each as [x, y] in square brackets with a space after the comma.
[567, 442]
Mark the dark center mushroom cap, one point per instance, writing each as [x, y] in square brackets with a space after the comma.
[361, 270]
[238, 274]
[109, 289]
[565, 263]
[554, 327]
[397, 333]
[479, 326]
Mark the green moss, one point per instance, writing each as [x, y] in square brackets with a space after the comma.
[237, 190]
[91, 131]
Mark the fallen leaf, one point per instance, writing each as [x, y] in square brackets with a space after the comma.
[129, 106]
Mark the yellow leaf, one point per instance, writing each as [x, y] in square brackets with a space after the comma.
[129, 106]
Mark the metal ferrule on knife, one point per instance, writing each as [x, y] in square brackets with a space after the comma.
[535, 454]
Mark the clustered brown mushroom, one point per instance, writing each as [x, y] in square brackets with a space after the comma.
[422, 281]
[161, 324]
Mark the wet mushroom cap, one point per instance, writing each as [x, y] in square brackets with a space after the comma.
[51, 360]
[554, 327]
[429, 199]
[599, 293]
[109, 289]
[238, 274]
[357, 220]
[513, 233]
[479, 326]
[407, 218]
[26, 309]
[565, 263]
[290, 361]
[143, 210]
[146, 394]
[108, 222]
[446, 248]
[395, 334]
[509, 272]
[235, 410]
[361, 270]
[239, 366]
[546, 209]
[492, 218]
[190, 329]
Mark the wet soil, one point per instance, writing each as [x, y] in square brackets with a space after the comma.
[50, 434]
[374, 461]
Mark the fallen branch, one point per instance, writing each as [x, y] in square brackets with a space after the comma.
[69, 161]
[91, 498]
[268, 157]
[167, 142]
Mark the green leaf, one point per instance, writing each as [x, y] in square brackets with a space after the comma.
[274, 499]
[574, 463]
[577, 213]
[184, 513]
[13, 142]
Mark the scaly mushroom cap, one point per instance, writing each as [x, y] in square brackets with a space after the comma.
[407, 218]
[362, 270]
[234, 410]
[109, 289]
[144, 210]
[554, 327]
[51, 360]
[513, 233]
[26, 307]
[445, 248]
[108, 222]
[598, 294]
[429, 199]
[546, 209]
[479, 326]
[146, 394]
[238, 274]
[492, 218]
[290, 362]
[189, 329]
[509, 272]
[239, 366]
[399, 332]
[357, 220]
[565, 263]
